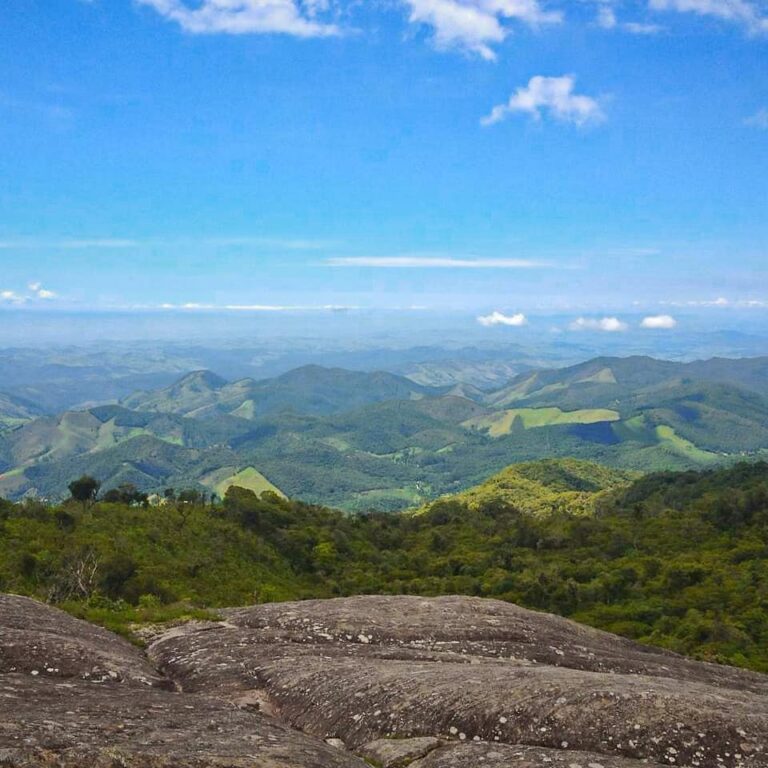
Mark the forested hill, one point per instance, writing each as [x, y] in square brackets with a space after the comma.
[375, 440]
[678, 560]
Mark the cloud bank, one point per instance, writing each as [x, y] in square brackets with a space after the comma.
[430, 262]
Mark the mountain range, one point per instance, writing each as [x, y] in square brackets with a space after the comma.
[377, 440]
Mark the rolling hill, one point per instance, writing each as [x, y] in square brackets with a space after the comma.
[547, 487]
[311, 390]
[16, 410]
[380, 441]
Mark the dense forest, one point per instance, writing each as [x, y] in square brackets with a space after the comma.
[677, 559]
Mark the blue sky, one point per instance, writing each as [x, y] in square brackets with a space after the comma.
[516, 156]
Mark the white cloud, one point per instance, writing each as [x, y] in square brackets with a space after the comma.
[38, 292]
[659, 322]
[737, 11]
[607, 324]
[554, 95]
[476, 25]
[498, 318]
[64, 243]
[640, 28]
[719, 302]
[606, 16]
[429, 262]
[11, 297]
[608, 19]
[197, 307]
[758, 120]
[239, 17]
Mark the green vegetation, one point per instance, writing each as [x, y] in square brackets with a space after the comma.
[678, 560]
[547, 487]
[362, 441]
[503, 423]
[249, 478]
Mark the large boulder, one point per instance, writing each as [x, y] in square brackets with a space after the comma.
[466, 671]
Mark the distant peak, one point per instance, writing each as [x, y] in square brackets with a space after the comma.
[203, 378]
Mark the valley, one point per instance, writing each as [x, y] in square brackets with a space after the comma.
[362, 440]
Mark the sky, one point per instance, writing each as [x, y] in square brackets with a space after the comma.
[497, 158]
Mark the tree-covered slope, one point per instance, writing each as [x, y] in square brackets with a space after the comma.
[377, 441]
[550, 486]
[312, 390]
[678, 560]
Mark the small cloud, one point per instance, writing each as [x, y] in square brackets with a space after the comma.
[659, 322]
[741, 12]
[607, 324]
[553, 95]
[606, 16]
[241, 17]
[758, 120]
[38, 292]
[11, 297]
[430, 262]
[498, 318]
[64, 244]
[199, 307]
[639, 28]
[607, 19]
[475, 26]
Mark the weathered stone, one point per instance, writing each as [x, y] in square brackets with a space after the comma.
[434, 683]
[367, 668]
[397, 753]
[39, 641]
[486, 755]
[75, 696]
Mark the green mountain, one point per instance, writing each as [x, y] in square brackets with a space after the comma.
[547, 487]
[363, 441]
[678, 560]
[15, 411]
[311, 390]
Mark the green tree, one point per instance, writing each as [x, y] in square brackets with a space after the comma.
[84, 490]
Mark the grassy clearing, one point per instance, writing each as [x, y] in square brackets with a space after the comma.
[249, 478]
[502, 423]
[125, 619]
[670, 439]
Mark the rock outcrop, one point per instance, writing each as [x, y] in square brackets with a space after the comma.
[384, 681]
[471, 670]
[76, 696]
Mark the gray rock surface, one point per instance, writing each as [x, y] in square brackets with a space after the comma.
[397, 753]
[431, 683]
[485, 755]
[76, 696]
[463, 669]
